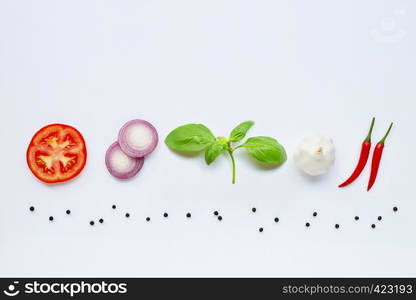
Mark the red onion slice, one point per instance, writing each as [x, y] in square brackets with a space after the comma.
[120, 165]
[138, 138]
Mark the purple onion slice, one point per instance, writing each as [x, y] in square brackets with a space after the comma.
[138, 138]
[121, 165]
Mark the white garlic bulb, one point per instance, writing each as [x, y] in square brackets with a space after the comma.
[315, 155]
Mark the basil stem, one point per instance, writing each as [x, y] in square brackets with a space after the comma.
[230, 151]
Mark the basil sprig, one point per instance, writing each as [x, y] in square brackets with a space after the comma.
[197, 137]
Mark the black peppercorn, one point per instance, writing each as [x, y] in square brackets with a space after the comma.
[253, 209]
[165, 215]
[261, 229]
[357, 218]
[32, 208]
[101, 221]
[127, 215]
[91, 223]
[315, 214]
[336, 226]
[379, 218]
[68, 212]
[276, 220]
[147, 219]
[215, 213]
[51, 218]
[373, 225]
[219, 218]
[395, 208]
[188, 215]
[307, 224]
[114, 207]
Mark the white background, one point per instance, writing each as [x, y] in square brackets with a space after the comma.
[294, 67]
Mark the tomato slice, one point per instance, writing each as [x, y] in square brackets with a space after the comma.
[57, 153]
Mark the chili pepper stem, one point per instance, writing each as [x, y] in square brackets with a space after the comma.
[385, 136]
[368, 138]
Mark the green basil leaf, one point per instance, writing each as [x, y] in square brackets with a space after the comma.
[265, 149]
[240, 131]
[213, 151]
[190, 137]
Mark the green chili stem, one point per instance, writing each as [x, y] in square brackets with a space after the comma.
[368, 138]
[385, 136]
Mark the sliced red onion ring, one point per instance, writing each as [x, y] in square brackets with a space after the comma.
[120, 165]
[138, 138]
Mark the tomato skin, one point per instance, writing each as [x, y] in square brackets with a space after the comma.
[57, 136]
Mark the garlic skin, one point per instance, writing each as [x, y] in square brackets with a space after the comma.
[315, 155]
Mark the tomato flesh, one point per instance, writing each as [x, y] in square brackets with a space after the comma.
[56, 153]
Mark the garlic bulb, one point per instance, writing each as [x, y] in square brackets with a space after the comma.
[315, 155]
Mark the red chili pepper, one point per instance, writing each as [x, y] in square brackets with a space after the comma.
[378, 152]
[365, 152]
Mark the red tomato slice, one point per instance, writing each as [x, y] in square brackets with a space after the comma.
[57, 153]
